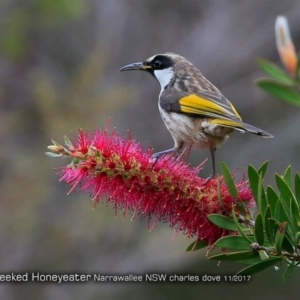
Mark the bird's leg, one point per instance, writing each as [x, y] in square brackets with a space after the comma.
[176, 149]
[213, 154]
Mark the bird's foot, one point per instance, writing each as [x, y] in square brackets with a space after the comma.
[158, 155]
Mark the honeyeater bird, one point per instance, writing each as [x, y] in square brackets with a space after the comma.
[192, 108]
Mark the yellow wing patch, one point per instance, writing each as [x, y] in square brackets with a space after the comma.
[236, 113]
[195, 104]
[228, 123]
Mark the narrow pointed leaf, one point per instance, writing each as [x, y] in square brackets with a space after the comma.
[272, 199]
[274, 71]
[288, 176]
[259, 193]
[229, 181]
[235, 256]
[261, 196]
[257, 188]
[263, 169]
[259, 266]
[224, 222]
[196, 245]
[288, 272]
[284, 188]
[280, 214]
[259, 229]
[253, 180]
[286, 197]
[280, 91]
[269, 226]
[233, 242]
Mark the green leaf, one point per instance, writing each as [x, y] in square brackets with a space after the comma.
[253, 180]
[236, 256]
[280, 90]
[223, 222]
[274, 71]
[261, 196]
[288, 271]
[263, 169]
[233, 242]
[196, 245]
[288, 202]
[288, 176]
[269, 226]
[279, 236]
[272, 199]
[297, 188]
[257, 188]
[280, 214]
[259, 266]
[259, 229]
[285, 190]
[229, 181]
[259, 193]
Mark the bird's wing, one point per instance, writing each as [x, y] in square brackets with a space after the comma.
[207, 104]
[203, 103]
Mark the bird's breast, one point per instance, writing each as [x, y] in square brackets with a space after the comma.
[195, 131]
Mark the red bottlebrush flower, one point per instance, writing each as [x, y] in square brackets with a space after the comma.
[169, 190]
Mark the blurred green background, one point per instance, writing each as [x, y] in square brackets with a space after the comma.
[59, 63]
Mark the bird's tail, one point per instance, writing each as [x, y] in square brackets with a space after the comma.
[242, 127]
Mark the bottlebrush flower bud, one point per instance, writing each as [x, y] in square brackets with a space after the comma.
[285, 45]
[169, 190]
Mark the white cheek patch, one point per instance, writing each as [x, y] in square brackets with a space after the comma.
[164, 76]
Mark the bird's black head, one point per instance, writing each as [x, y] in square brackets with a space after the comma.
[156, 62]
[159, 62]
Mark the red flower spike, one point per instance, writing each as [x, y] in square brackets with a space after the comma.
[109, 165]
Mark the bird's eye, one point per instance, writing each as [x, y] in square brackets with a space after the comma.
[157, 64]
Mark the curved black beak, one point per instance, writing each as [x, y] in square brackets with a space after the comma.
[135, 66]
